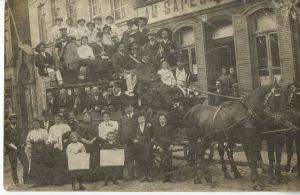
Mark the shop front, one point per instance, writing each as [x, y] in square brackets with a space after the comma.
[254, 38]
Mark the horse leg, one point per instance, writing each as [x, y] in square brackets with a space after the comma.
[221, 149]
[289, 151]
[202, 167]
[278, 148]
[252, 148]
[231, 160]
[271, 157]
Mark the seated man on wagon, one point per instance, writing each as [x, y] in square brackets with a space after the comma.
[123, 65]
[46, 65]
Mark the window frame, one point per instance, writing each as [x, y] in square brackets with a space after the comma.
[121, 9]
[42, 22]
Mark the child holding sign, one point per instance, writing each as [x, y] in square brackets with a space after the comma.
[110, 171]
[75, 148]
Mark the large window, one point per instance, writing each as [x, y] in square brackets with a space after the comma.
[117, 9]
[42, 22]
[94, 8]
[266, 39]
[186, 47]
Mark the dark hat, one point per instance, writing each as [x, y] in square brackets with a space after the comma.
[39, 45]
[46, 113]
[129, 22]
[12, 116]
[59, 18]
[164, 29]
[90, 23]
[136, 20]
[99, 34]
[109, 16]
[62, 28]
[97, 17]
[81, 19]
[106, 26]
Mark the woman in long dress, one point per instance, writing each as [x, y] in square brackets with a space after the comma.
[37, 140]
[88, 133]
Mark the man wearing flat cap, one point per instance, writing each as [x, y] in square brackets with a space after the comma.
[43, 60]
[128, 35]
[98, 23]
[82, 30]
[55, 33]
[14, 142]
[141, 36]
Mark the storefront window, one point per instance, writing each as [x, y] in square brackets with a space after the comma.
[186, 46]
[267, 49]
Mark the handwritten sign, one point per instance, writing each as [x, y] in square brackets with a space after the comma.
[171, 8]
[79, 161]
[112, 157]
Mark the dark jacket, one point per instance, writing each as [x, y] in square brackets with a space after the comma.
[65, 103]
[50, 124]
[142, 37]
[164, 136]
[146, 136]
[219, 100]
[122, 62]
[127, 129]
[96, 102]
[98, 50]
[108, 146]
[166, 52]
[126, 37]
[41, 61]
[15, 136]
[152, 50]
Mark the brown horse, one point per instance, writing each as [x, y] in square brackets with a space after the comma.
[247, 114]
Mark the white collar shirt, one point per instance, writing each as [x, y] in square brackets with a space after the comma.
[107, 126]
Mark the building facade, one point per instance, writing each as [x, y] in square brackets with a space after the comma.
[20, 93]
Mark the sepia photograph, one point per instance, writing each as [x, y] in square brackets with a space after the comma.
[151, 95]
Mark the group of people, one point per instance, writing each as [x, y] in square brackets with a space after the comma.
[50, 143]
[138, 50]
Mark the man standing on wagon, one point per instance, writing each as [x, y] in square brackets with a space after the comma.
[141, 35]
[167, 46]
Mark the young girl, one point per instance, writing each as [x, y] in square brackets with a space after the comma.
[74, 148]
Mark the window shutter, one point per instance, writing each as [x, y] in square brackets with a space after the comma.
[285, 47]
[200, 55]
[242, 53]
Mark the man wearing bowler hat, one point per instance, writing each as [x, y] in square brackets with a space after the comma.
[128, 35]
[141, 36]
[152, 47]
[14, 141]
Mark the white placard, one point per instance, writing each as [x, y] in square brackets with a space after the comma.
[79, 161]
[112, 157]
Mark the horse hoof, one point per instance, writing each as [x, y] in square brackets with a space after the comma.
[197, 181]
[237, 175]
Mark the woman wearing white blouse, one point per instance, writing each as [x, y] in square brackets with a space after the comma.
[36, 142]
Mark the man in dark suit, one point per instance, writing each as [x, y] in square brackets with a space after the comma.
[97, 99]
[144, 143]
[46, 122]
[64, 101]
[152, 47]
[128, 35]
[164, 137]
[123, 64]
[141, 35]
[52, 103]
[100, 51]
[134, 52]
[221, 91]
[167, 46]
[14, 142]
[43, 60]
[126, 137]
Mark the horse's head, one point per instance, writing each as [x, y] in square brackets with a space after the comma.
[276, 99]
[293, 95]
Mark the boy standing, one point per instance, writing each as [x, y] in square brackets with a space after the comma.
[110, 172]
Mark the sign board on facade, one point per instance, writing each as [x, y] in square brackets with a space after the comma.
[170, 8]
